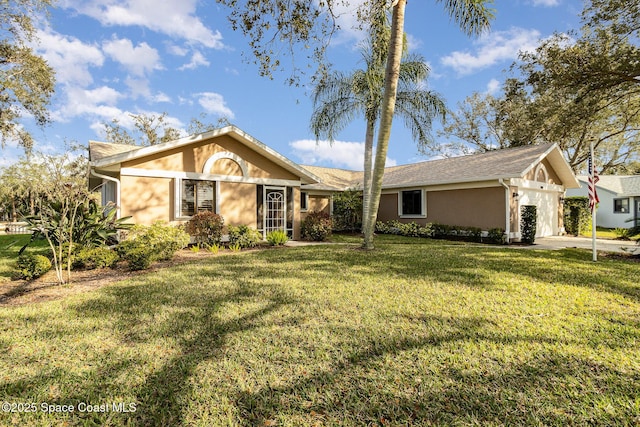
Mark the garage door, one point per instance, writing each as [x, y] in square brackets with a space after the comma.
[547, 209]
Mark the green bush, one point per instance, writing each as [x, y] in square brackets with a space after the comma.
[136, 254]
[31, 266]
[441, 231]
[206, 228]
[497, 235]
[90, 258]
[277, 238]
[243, 236]
[577, 215]
[317, 226]
[528, 221]
[143, 244]
[347, 210]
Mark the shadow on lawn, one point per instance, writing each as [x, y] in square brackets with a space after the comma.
[360, 387]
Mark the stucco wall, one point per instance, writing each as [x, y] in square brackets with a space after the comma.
[192, 158]
[478, 207]
[147, 199]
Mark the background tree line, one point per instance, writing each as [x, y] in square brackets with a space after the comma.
[574, 89]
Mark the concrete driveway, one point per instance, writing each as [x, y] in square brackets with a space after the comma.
[561, 242]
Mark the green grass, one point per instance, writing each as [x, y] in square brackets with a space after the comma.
[418, 332]
[10, 245]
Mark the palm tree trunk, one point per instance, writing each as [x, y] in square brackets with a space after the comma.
[392, 73]
[368, 163]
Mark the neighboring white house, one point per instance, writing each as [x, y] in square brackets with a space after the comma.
[619, 199]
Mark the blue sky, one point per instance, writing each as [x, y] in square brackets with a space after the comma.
[116, 57]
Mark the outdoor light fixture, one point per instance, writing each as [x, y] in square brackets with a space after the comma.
[515, 195]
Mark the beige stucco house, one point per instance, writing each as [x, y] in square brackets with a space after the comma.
[483, 190]
[231, 173]
[226, 171]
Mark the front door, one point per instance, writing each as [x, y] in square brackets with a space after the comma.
[275, 212]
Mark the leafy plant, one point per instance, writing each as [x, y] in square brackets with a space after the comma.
[90, 258]
[143, 244]
[277, 238]
[213, 248]
[577, 215]
[528, 221]
[347, 210]
[317, 226]
[195, 248]
[235, 247]
[31, 266]
[244, 236]
[206, 228]
[497, 235]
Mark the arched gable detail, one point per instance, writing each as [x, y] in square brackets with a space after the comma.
[226, 155]
[541, 169]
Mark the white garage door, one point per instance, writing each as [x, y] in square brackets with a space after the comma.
[547, 210]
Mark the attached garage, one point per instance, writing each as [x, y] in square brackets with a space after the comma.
[546, 204]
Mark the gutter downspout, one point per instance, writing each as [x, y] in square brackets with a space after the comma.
[112, 179]
[507, 204]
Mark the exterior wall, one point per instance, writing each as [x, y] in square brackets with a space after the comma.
[152, 196]
[147, 199]
[237, 203]
[192, 158]
[477, 207]
[317, 203]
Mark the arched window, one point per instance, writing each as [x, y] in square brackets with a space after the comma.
[541, 174]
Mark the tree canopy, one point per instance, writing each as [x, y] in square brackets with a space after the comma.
[574, 89]
[26, 80]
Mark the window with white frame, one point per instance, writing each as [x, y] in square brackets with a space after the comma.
[196, 196]
[621, 205]
[412, 203]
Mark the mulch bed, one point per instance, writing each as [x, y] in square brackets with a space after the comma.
[46, 287]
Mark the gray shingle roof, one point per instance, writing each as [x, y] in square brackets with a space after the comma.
[491, 165]
[622, 185]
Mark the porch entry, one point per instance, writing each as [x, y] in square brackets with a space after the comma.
[275, 209]
[275, 213]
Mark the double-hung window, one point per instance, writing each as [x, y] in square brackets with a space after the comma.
[621, 205]
[412, 203]
[196, 196]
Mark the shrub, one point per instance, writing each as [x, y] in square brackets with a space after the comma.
[137, 255]
[143, 245]
[347, 210]
[441, 231]
[382, 227]
[31, 266]
[206, 228]
[90, 258]
[577, 215]
[497, 235]
[243, 236]
[277, 238]
[528, 221]
[317, 226]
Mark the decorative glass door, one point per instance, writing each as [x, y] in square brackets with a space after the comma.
[275, 212]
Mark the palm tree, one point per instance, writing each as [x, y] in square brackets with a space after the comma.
[340, 97]
[473, 17]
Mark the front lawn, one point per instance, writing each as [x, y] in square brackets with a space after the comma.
[418, 332]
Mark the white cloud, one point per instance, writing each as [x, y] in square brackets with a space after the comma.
[138, 60]
[340, 154]
[493, 86]
[198, 59]
[100, 102]
[175, 18]
[493, 48]
[214, 103]
[546, 3]
[69, 57]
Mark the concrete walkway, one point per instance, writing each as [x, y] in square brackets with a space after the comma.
[561, 242]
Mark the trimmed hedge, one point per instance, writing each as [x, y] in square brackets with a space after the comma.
[31, 266]
[317, 226]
